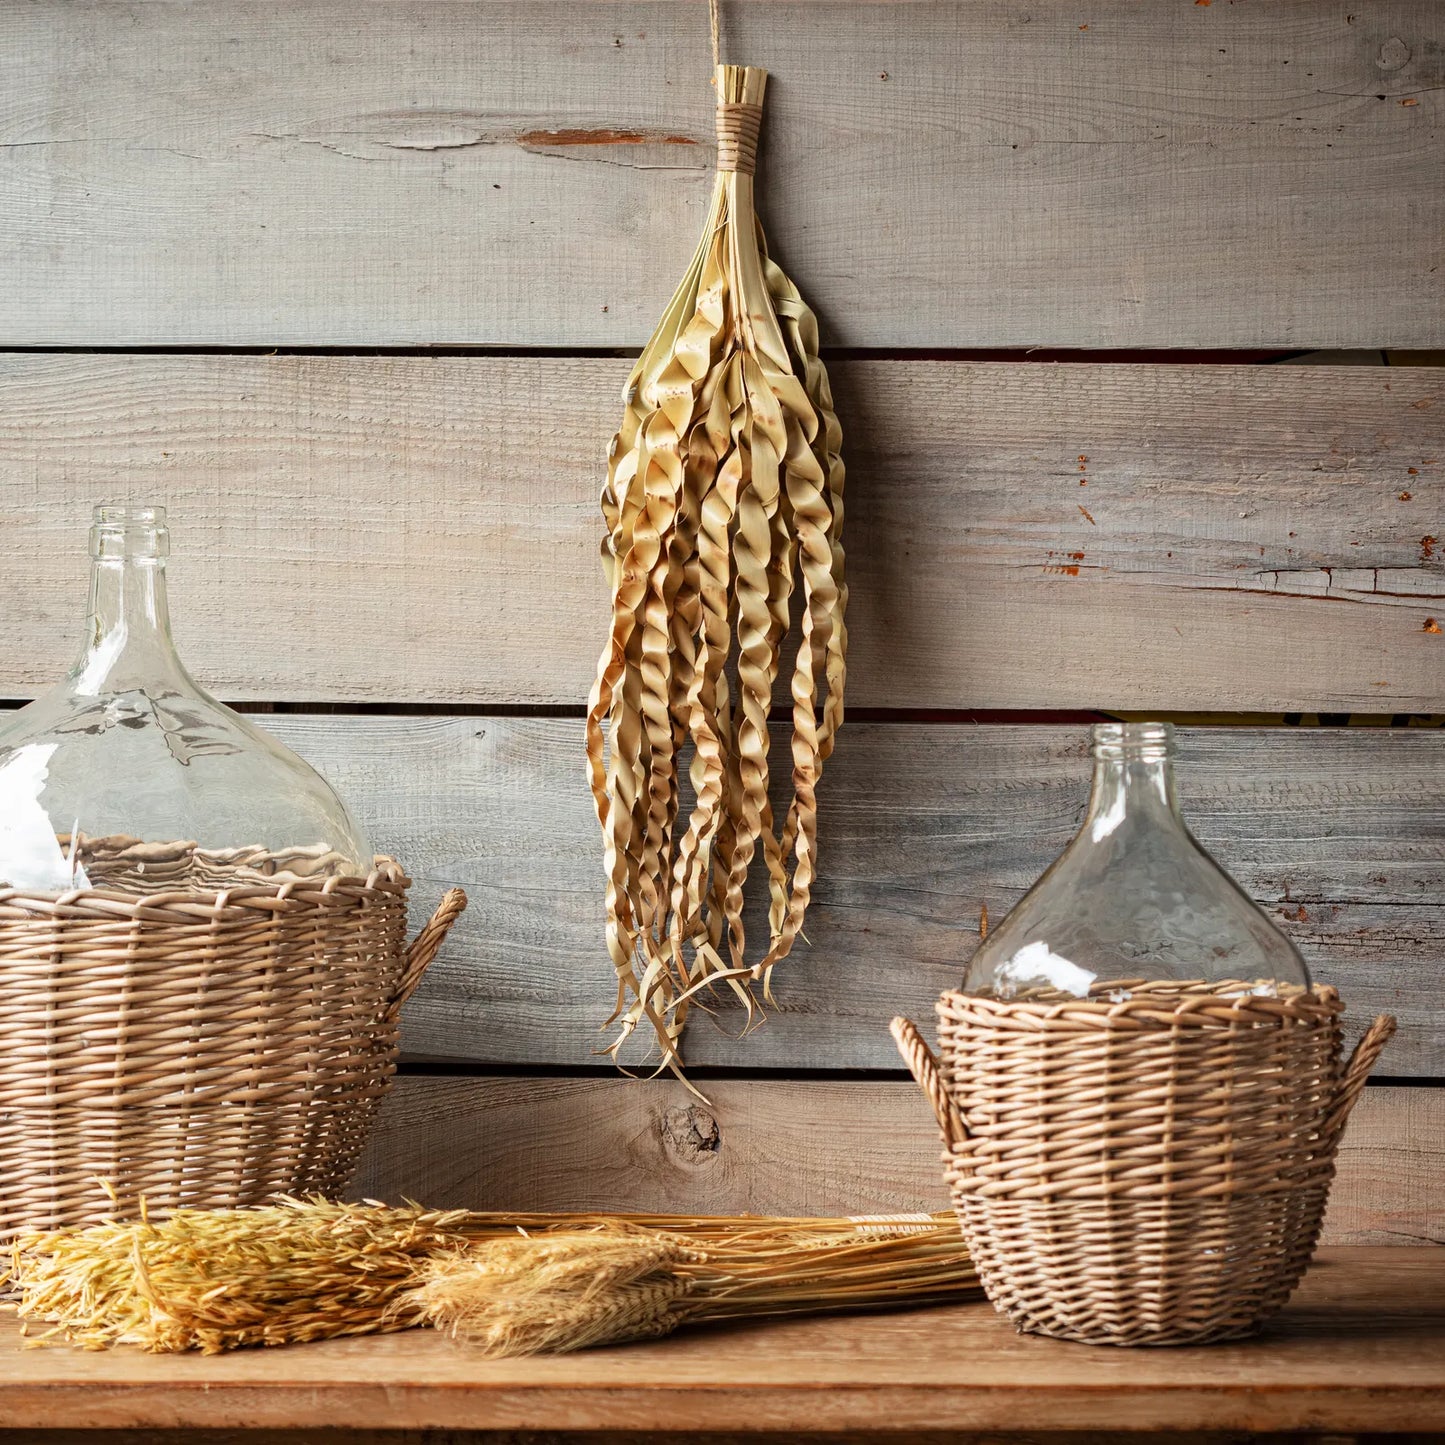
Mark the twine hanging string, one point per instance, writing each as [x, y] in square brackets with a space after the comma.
[738, 120]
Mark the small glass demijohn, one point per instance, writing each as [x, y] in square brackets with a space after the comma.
[129, 776]
[1134, 899]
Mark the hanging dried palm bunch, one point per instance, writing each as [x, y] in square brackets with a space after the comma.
[724, 509]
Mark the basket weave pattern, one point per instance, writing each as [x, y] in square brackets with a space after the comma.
[1146, 1166]
[197, 1048]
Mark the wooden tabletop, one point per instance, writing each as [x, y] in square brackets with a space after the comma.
[1361, 1347]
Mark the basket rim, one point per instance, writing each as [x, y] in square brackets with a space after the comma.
[1160, 1002]
[284, 892]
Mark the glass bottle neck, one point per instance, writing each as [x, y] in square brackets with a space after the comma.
[1129, 792]
[128, 631]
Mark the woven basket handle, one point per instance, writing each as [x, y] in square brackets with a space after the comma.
[1366, 1053]
[924, 1068]
[425, 946]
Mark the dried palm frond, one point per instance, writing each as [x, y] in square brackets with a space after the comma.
[724, 496]
[218, 1279]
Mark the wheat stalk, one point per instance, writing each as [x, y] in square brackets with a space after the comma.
[724, 497]
[576, 1289]
[555, 1293]
[298, 1270]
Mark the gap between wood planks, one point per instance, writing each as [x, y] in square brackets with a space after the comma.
[782, 713]
[742, 1073]
[1037, 355]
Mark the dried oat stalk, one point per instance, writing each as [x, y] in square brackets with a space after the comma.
[218, 1279]
[724, 509]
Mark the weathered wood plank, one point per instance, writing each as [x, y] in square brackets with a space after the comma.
[345, 1436]
[1340, 834]
[790, 1147]
[1361, 1346]
[1248, 538]
[996, 174]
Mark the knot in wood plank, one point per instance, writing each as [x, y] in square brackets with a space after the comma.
[691, 1135]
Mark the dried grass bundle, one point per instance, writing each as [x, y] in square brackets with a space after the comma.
[218, 1279]
[577, 1289]
[724, 496]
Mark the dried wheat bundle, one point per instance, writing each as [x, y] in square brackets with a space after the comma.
[576, 1289]
[218, 1279]
[548, 1294]
[724, 498]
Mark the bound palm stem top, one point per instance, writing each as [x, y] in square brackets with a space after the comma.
[724, 511]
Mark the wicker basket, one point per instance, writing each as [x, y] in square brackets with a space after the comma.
[199, 1048]
[1146, 1171]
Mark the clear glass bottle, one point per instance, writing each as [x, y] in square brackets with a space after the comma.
[1134, 898]
[129, 775]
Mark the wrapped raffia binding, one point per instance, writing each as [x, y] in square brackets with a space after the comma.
[200, 1027]
[508, 1284]
[724, 509]
[1148, 1165]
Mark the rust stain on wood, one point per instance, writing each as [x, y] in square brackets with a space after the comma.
[1065, 569]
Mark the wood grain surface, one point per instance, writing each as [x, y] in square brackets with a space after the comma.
[781, 1146]
[1339, 833]
[1360, 1347]
[418, 530]
[992, 174]
[240, 1435]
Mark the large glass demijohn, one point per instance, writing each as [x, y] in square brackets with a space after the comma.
[129, 775]
[1134, 898]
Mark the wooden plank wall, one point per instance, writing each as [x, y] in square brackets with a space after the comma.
[413, 526]
[524, 174]
[781, 1146]
[1339, 834]
[395, 549]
